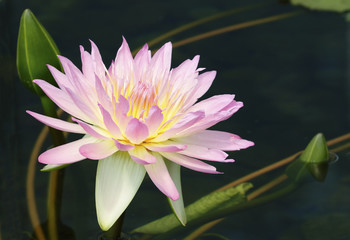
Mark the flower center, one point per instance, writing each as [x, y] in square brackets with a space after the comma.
[141, 99]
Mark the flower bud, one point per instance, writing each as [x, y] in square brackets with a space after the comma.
[316, 151]
[314, 161]
[35, 49]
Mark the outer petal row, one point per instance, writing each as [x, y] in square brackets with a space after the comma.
[190, 163]
[57, 123]
[67, 153]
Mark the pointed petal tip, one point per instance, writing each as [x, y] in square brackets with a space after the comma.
[229, 161]
[92, 43]
[106, 224]
[174, 196]
[168, 44]
[243, 144]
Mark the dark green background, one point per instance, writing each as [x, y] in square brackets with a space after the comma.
[292, 76]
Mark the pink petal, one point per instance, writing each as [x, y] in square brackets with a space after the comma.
[211, 119]
[102, 95]
[166, 146]
[61, 99]
[93, 131]
[87, 65]
[160, 176]
[122, 146]
[110, 124]
[205, 153]
[212, 105]
[217, 139]
[121, 110]
[161, 60]
[98, 150]
[140, 155]
[67, 153]
[124, 63]
[184, 76]
[154, 119]
[84, 107]
[79, 84]
[190, 163]
[204, 82]
[57, 123]
[61, 78]
[136, 131]
[141, 62]
[69, 70]
[99, 66]
[186, 121]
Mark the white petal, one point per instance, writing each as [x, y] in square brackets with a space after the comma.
[117, 180]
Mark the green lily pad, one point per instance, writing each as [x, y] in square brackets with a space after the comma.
[324, 5]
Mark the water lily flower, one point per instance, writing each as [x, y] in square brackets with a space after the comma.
[138, 116]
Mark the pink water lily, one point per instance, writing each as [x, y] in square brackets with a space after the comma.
[138, 116]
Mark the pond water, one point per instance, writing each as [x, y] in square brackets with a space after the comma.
[291, 74]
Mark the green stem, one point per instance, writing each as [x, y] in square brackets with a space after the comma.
[54, 198]
[199, 22]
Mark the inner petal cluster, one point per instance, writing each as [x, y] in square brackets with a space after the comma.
[141, 99]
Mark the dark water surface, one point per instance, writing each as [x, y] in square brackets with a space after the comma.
[291, 75]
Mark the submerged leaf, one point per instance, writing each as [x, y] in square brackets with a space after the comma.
[206, 205]
[35, 49]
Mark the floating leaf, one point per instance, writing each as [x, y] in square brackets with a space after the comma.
[35, 49]
[324, 5]
[206, 205]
